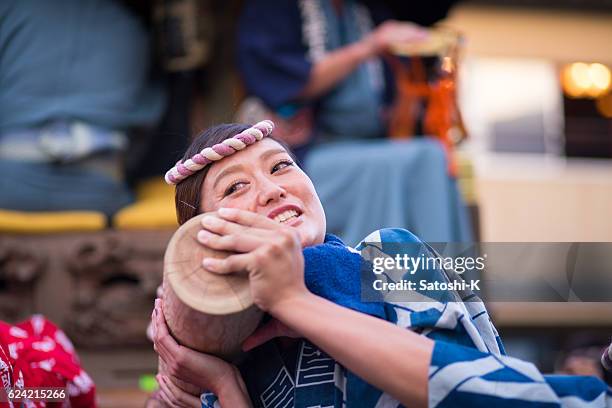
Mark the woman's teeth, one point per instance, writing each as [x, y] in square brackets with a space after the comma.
[285, 216]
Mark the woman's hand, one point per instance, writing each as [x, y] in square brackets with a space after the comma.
[174, 396]
[149, 332]
[202, 370]
[271, 254]
[390, 32]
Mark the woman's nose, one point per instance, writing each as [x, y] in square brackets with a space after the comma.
[269, 192]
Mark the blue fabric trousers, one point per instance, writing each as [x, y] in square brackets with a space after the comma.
[32, 186]
[370, 185]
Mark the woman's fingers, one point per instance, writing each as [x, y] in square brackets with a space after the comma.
[164, 393]
[165, 399]
[219, 226]
[184, 364]
[173, 354]
[176, 395]
[184, 398]
[151, 329]
[151, 326]
[165, 345]
[231, 264]
[247, 218]
[242, 241]
[237, 230]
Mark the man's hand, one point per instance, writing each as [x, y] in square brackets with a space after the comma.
[390, 32]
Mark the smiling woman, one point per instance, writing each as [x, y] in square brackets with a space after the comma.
[269, 218]
[263, 179]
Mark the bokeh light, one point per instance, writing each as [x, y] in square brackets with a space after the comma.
[600, 76]
[585, 80]
[579, 73]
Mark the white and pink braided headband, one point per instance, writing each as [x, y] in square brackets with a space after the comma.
[211, 154]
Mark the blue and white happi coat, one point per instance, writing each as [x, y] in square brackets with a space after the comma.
[468, 368]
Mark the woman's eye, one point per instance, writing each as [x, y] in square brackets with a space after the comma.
[281, 165]
[234, 187]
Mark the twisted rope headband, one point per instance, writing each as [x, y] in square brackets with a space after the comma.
[228, 147]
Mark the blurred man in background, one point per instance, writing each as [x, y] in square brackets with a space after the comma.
[74, 79]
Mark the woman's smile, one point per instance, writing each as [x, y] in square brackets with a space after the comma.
[286, 214]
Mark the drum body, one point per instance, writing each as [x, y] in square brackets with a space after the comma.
[206, 312]
[426, 82]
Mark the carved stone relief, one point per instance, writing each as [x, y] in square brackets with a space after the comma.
[20, 269]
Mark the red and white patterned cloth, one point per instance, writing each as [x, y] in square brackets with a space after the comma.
[36, 353]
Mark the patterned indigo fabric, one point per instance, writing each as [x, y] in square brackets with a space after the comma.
[465, 377]
[309, 377]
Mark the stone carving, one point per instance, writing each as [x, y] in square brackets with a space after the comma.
[20, 269]
[115, 289]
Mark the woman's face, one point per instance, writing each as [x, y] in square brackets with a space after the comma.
[263, 178]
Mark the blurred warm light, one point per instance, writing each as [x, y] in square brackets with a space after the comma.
[579, 73]
[569, 85]
[604, 105]
[585, 80]
[600, 76]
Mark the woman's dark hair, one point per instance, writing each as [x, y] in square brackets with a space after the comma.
[188, 191]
